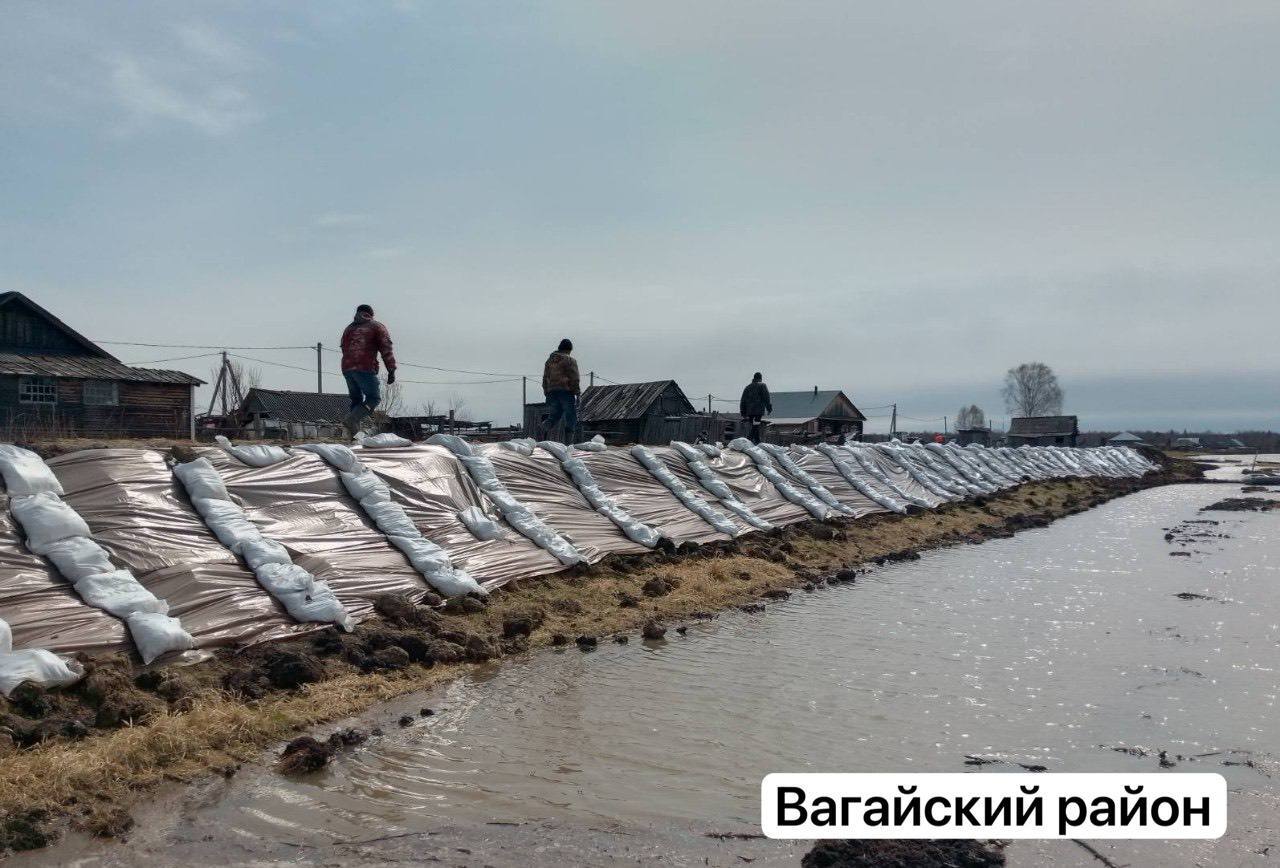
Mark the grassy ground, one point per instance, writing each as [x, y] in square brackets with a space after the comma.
[82, 756]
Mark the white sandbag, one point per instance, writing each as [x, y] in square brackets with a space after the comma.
[704, 510]
[791, 492]
[119, 593]
[592, 446]
[522, 445]
[867, 487]
[390, 518]
[363, 485]
[256, 455]
[262, 551]
[386, 440]
[6, 637]
[480, 525]
[636, 531]
[76, 557]
[452, 442]
[285, 578]
[711, 449]
[46, 519]
[39, 667]
[867, 462]
[319, 605]
[334, 454]
[708, 479]
[26, 473]
[156, 634]
[227, 521]
[201, 479]
[806, 479]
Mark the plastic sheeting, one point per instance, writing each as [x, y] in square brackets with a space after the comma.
[799, 474]
[646, 499]
[580, 476]
[696, 459]
[319, 516]
[684, 493]
[821, 468]
[790, 490]
[863, 481]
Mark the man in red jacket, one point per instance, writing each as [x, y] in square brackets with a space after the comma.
[362, 342]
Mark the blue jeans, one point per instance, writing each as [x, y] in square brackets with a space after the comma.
[563, 405]
[365, 393]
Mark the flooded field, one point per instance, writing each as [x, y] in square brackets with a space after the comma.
[1141, 635]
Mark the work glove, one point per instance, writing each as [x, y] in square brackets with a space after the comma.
[391, 377]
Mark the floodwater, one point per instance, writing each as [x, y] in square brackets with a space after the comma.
[1066, 647]
[1232, 468]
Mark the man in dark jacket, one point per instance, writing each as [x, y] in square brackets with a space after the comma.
[560, 385]
[755, 404]
[362, 342]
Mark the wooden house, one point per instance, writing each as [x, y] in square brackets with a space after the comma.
[654, 413]
[1043, 431]
[800, 417]
[56, 382]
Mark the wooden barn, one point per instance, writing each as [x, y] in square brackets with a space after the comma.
[805, 417]
[56, 382]
[653, 413]
[282, 415]
[1043, 431]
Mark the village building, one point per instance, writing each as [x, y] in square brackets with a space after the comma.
[56, 382]
[800, 417]
[981, 436]
[1124, 438]
[1043, 431]
[275, 414]
[653, 413]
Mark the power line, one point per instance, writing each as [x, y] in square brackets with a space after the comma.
[175, 359]
[197, 346]
[416, 382]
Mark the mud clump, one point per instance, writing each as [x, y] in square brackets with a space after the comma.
[291, 669]
[587, 643]
[25, 831]
[628, 601]
[521, 624]
[660, 586]
[778, 594]
[903, 854]
[116, 699]
[1243, 504]
[752, 608]
[30, 700]
[305, 754]
[846, 575]
[653, 631]
[463, 606]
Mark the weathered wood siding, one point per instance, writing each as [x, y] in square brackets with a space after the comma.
[142, 410]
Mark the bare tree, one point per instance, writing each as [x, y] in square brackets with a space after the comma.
[392, 403]
[971, 417]
[458, 406]
[1032, 389]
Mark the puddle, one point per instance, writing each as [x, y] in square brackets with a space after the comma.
[1048, 650]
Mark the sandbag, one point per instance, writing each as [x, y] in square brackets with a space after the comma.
[39, 667]
[25, 472]
[335, 455]
[76, 557]
[386, 440]
[254, 456]
[6, 637]
[201, 479]
[46, 519]
[390, 518]
[262, 551]
[157, 634]
[523, 445]
[228, 522]
[365, 485]
[480, 525]
[319, 605]
[426, 556]
[452, 442]
[285, 579]
[119, 593]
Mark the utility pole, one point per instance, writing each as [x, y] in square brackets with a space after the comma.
[591, 375]
[893, 423]
[319, 371]
[944, 424]
[708, 405]
[524, 402]
[223, 379]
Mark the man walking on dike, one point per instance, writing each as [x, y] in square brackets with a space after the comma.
[755, 404]
[560, 385]
[362, 341]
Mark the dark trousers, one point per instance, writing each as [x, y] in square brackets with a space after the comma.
[365, 394]
[753, 427]
[564, 407]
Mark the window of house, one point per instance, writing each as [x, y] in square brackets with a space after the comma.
[100, 393]
[37, 390]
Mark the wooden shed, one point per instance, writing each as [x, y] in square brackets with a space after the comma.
[1043, 431]
[56, 382]
[654, 413]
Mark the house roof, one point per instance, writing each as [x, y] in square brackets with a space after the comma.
[1125, 437]
[88, 368]
[799, 407]
[96, 364]
[17, 298]
[1042, 426]
[624, 400]
[286, 406]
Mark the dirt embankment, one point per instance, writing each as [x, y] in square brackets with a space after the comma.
[82, 755]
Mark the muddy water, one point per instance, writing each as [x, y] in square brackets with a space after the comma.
[1231, 468]
[1055, 648]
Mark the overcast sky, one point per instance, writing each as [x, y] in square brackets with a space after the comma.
[901, 200]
